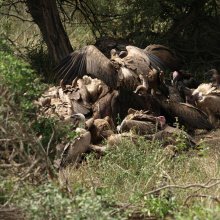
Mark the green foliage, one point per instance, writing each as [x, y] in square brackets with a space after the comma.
[41, 61]
[51, 201]
[19, 116]
[199, 211]
[19, 79]
[160, 207]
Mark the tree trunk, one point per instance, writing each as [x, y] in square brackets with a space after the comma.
[46, 16]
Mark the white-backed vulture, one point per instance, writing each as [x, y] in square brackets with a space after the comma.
[100, 129]
[151, 102]
[215, 77]
[187, 114]
[115, 72]
[207, 99]
[73, 149]
[95, 87]
[171, 135]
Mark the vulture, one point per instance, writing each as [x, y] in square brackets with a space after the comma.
[96, 88]
[207, 99]
[114, 72]
[122, 75]
[184, 78]
[90, 132]
[187, 114]
[139, 121]
[152, 103]
[215, 77]
[173, 136]
[100, 129]
[73, 150]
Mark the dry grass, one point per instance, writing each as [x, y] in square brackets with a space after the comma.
[128, 172]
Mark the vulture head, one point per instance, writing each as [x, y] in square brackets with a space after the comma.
[162, 121]
[215, 77]
[114, 54]
[80, 120]
[175, 76]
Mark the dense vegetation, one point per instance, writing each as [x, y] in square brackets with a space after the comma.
[120, 184]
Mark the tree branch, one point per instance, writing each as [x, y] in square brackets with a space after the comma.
[183, 187]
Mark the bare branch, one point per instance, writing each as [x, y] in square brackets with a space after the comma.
[203, 196]
[183, 187]
[15, 16]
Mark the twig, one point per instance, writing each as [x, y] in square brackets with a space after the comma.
[182, 187]
[13, 165]
[11, 15]
[204, 196]
[193, 193]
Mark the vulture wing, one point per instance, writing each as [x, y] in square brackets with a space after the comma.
[140, 127]
[73, 150]
[191, 116]
[142, 60]
[87, 61]
[168, 56]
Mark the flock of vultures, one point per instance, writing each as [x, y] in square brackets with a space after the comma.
[127, 94]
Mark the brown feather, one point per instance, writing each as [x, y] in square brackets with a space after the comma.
[90, 61]
[167, 55]
[73, 150]
[187, 114]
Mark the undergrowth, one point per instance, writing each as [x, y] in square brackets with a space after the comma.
[116, 186]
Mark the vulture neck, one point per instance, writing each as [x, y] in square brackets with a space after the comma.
[164, 126]
[145, 83]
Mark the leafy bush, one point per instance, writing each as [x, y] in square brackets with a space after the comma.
[51, 201]
[26, 135]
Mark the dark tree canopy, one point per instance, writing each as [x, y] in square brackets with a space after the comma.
[191, 27]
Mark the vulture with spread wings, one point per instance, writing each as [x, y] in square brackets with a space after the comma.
[115, 72]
